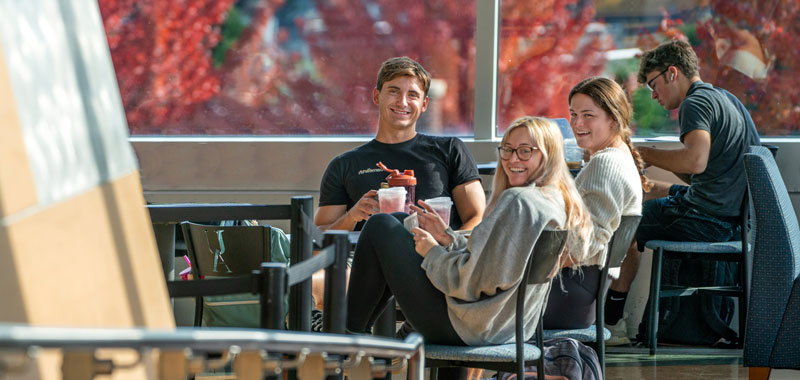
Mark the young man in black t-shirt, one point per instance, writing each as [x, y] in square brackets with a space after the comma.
[442, 165]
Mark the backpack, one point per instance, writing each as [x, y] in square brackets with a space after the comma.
[244, 310]
[694, 320]
[564, 358]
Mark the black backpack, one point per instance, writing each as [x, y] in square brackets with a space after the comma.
[694, 320]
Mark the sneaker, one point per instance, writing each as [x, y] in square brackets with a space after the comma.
[316, 320]
[619, 333]
[404, 330]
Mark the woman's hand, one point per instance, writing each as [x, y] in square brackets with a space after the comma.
[423, 241]
[431, 222]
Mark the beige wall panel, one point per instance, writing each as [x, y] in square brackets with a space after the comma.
[89, 261]
[17, 190]
[10, 293]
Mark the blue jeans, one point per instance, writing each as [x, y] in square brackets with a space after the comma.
[672, 218]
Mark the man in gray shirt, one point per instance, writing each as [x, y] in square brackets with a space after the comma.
[716, 131]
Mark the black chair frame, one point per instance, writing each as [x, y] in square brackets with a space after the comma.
[542, 259]
[272, 280]
[741, 291]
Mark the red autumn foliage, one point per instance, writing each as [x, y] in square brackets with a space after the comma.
[546, 48]
[162, 55]
[748, 48]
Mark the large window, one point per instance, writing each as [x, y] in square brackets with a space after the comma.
[746, 47]
[293, 67]
[299, 67]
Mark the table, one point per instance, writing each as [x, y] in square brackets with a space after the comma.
[488, 168]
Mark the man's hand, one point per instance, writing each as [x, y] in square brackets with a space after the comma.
[423, 241]
[365, 207]
[432, 223]
[337, 217]
[643, 153]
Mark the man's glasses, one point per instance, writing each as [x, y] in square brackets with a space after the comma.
[524, 153]
[650, 84]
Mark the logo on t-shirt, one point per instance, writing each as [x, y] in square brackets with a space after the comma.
[367, 171]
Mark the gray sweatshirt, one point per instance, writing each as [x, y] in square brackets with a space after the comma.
[479, 277]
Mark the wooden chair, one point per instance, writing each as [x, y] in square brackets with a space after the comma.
[617, 249]
[509, 357]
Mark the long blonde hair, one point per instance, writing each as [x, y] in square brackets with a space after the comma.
[552, 170]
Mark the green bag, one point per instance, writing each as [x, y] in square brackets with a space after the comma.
[243, 310]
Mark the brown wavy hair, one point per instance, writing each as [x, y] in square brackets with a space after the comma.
[610, 96]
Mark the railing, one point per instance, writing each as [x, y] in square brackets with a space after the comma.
[164, 218]
[181, 352]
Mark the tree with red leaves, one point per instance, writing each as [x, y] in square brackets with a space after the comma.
[748, 48]
[546, 48]
[162, 52]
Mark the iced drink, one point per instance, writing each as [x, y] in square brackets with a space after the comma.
[392, 199]
[573, 154]
[442, 207]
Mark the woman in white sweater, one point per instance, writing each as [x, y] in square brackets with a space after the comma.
[610, 184]
[455, 291]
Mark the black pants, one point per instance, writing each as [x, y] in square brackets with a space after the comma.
[575, 308]
[386, 264]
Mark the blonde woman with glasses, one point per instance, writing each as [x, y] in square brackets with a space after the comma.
[451, 290]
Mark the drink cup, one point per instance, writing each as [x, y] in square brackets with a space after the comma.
[574, 155]
[392, 199]
[442, 207]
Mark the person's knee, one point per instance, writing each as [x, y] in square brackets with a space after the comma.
[400, 216]
[379, 222]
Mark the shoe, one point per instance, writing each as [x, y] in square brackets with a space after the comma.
[619, 333]
[404, 330]
[316, 320]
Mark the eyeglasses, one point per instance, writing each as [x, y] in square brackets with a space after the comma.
[650, 84]
[524, 153]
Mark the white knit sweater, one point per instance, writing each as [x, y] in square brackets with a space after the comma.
[611, 187]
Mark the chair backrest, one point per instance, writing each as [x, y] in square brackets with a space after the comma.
[226, 251]
[539, 269]
[304, 236]
[776, 254]
[621, 240]
[545, 256]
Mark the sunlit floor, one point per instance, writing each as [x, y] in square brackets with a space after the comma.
[680, 363]
[674, 363]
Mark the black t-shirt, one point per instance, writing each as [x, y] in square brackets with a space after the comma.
[439, 164]
[718, 190]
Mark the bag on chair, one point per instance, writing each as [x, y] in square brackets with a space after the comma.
[564, 358]
[694, 320]
[244, 310]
